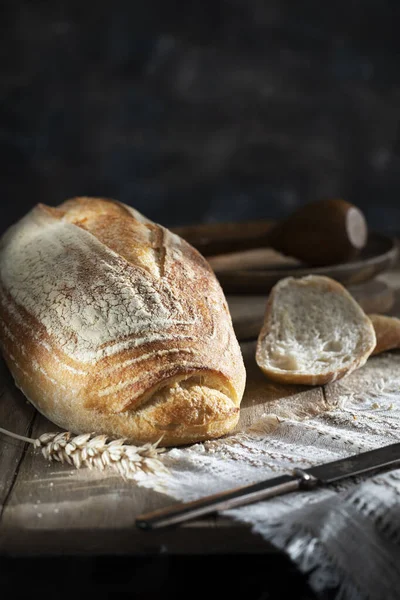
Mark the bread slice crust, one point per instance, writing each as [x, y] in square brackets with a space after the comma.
[300, 342]
[387, 331]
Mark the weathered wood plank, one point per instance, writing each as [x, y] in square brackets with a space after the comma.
[50, 495]
[54, 508]
[16, 415]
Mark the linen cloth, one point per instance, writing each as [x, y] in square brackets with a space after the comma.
[345, 538]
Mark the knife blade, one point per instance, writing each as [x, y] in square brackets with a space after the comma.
[301, 479]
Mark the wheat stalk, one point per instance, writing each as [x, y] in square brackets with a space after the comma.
[97, 452]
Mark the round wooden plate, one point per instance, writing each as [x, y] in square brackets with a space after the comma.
[378, 256]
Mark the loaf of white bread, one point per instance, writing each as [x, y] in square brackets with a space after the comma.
[111, 324]
[314, 332]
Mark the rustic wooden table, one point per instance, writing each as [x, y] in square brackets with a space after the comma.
[47, 508]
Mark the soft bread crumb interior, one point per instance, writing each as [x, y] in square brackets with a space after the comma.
[313, 329]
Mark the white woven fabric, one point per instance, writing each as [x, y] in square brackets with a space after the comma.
[346, 539]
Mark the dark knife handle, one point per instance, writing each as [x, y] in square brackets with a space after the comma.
[178, 513]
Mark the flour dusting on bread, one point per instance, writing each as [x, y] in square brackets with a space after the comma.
[98, 300]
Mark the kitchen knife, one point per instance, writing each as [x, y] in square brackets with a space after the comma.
[306, 479]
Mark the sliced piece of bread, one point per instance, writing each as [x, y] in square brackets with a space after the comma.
[314, 332]
[387, 331]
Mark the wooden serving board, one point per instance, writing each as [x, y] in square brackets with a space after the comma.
[247, 311]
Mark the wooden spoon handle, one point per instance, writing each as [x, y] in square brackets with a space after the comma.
[222, 238]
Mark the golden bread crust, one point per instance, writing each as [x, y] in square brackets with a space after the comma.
[111, 323]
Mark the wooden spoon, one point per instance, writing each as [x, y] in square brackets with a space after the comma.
[320, 233]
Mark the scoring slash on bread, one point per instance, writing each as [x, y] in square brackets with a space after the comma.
[112, 324]
[314, 332]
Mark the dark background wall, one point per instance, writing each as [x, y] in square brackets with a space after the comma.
[201, 110]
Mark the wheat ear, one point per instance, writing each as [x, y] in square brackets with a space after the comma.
[97, 452]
